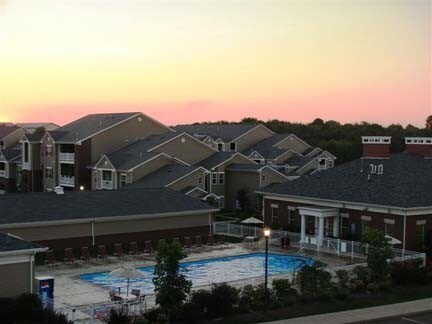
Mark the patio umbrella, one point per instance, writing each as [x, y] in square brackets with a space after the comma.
[392, 240]
[128, 272]
[252, 220]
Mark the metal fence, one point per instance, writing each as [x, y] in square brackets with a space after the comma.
[342, 248]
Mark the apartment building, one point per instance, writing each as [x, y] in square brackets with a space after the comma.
[10, 155]
[390, 192]
[67, 152]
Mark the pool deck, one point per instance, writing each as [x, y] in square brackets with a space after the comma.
[72, 291]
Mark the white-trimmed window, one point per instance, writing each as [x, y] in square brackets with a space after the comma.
[48, 150]
[274, 213]
[199, 180]
[123, 179]
[233, 146]
[221, 178]
[49, 172]
[420, 231]
[291, 215]
[344, 224]
[389, 226]
[214, 176]
[365, 222]
[220, 147]
[106, 175]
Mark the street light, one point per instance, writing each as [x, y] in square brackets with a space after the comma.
[267, 232]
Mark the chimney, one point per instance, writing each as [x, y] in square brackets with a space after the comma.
[376, 147]
[419, 145]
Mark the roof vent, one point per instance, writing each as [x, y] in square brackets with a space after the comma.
[376, 147]
[419, 145]
[59, 190]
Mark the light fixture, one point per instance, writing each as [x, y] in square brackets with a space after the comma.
[267, 232]
[82, 188]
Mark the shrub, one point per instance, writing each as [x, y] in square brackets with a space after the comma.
[314, 281]
[343, 278]
[196, 308]
[284, 292]
[363, 274]
[222, 300]
[410, 272]
[118, 316]
[155, 315]
[378, 251]
[251, 298]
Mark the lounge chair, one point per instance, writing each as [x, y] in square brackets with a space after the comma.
[210, 240]
[188, 242]
[198, 241]
[85, 254]
[118, 250]
[148, 247]
[136, 292]
[102, 253]
[69, 256]
[114, 297]
[133, 248]
[51, 259]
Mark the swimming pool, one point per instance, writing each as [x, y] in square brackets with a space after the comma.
[205, 272]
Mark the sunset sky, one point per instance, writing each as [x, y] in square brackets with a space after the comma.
[186, 61]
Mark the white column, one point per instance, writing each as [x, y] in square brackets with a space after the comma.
[303, 227]
[336, 226]
[320, 230]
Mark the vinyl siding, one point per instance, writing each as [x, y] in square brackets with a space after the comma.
[150, 167]
[253, 137]
[190, 181]
[14, 279]
[293, 143]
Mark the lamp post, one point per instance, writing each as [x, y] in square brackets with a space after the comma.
[267, 233]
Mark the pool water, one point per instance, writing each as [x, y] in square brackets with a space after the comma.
[205, 272]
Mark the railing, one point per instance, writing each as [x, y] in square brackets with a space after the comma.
[67, 180]
[343, 248]
[67, 157]
[107, 184]
[3, 173]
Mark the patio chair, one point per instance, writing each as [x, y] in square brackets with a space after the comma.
[148, 247]
[69, 256]
[118, 250]
[101, 252]
[85, 254]
[210, 240]
[133, 248]
[51, 259]
[188, 242]
[136, 292]
[114, 297]
[198, 241]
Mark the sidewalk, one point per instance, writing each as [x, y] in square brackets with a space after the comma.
[363, 314]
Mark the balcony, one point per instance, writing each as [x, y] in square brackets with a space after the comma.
[68, 181]
[106, 184]
[67, 157]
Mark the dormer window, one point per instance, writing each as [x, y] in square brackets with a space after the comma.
[233, 147]
[220, 147]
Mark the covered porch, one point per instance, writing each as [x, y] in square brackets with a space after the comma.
[318, 222]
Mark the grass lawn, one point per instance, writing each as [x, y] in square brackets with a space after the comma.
[394, 295]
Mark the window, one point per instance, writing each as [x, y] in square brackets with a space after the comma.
[330, 164]
[48, 150]
[49, 172]
[106, 175]
[365, 225]
[345, 226]
[274, 215]
[328, 226]
[221, 178]
[291, 215]
[263, 177]
[123, 180]
[233, 147]
[214, 178]
[199, 180]
[389, 226]
[220, 146]
[2, 166]
[26, 152]
[420, 231]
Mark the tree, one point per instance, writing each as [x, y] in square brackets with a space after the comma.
[244, 199]
[429, 122]
[378, 251]
[314, 280]
[171, 286]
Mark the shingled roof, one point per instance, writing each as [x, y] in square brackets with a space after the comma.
[5, 130]
[226, 132]
[266, 149]
[163, 176]
[72, 205]
[89, 125]
[405, 182]
[9, 243]
[215, 159]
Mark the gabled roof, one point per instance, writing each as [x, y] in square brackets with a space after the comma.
[9, 243]
[299, 160]
[11, 154]
[163, 176]
[266, 149]
[89, 125]
[33, 137]
[215, 159]
[75, 206]
[405, 183]
[6, 130]
[226, 132]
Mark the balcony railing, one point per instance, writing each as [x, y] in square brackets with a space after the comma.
[107, 185]
[3, 173]
[67, 157]
[67, 181]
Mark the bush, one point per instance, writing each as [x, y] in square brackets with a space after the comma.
[410, 272]
[154, 316]
[284, 292]
[118, 316]
[343, 278]
[251, 298]
[222, 300]
[363, 274]
[314, 281]
[196, 308]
